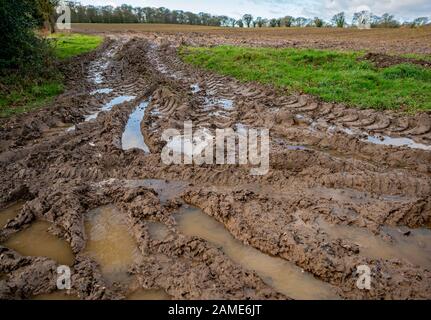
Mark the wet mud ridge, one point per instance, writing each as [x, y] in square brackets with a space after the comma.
[83, 185]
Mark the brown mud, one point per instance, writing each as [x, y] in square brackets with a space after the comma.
[383, 60]
[331, 167]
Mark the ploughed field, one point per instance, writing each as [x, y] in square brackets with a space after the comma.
[382, 40]
[83, 183]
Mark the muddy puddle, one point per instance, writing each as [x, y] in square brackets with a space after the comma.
[225, 104]
[37, 241]
[101, 91]
[57, 295]
[110, 243]
[132, 136]
[147, 294]
[166, 189]
[96, 70]
[412, 245]
[397, 142]
[195, 88]
[158, 231]
[9, 213]
[280, 274]
[362, 135]
[108, 106]
[383, 139]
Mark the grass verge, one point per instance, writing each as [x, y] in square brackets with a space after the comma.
[69, 45]
[332, 76]
[27, 94]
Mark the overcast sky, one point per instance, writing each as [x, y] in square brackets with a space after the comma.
[402, 9]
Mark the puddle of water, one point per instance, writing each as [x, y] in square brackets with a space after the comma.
[165, 189]
[10, 212]
[108, 106]
[146, 294]
[278, 273]
[398, 142]
[226, 104]
[37, 241]
[132, 135]
[91, 116]
[102, 91]
[195, 88]
[365, 137]
[158, 231]
[96, 70]
[110, 243]
[384, 140]
[117, 101]
[98, 78]
[57, 295]
[414, 248]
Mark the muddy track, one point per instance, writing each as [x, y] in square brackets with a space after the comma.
[331, 168]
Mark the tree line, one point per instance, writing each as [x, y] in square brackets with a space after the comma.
[129, 14]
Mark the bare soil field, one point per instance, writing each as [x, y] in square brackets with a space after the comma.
[345, 187]
[380, 40]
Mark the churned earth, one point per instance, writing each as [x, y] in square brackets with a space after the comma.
[83, 185]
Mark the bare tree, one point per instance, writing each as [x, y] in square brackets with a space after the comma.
[259, 22]
[247, 18]
[288, 21]
[300, 21]
[339, 20]
[273, 23]
[421, 21]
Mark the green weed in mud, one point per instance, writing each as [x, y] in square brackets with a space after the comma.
[333, 76]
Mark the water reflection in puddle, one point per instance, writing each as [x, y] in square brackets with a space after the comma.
[110, 243]
[37, 241]
[108, 106]
[149, 294]
[96, 70]
[226, 104]
[415, 247]
[195, 88]
[384, 140]
[398, 142]
[132, 136]
[102, 91]
[278, 273]
[9, 213]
